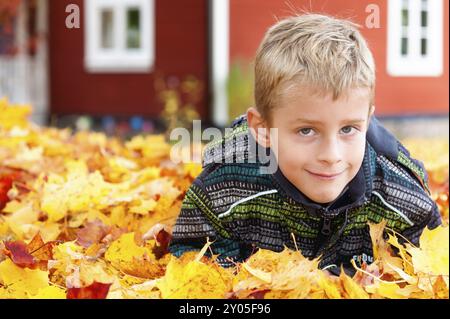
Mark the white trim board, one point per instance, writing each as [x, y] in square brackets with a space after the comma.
[219, 38]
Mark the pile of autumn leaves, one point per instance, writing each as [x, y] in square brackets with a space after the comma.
[86, 216]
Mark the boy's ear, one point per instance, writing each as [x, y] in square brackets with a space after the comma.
[371, 112]
[258, 127]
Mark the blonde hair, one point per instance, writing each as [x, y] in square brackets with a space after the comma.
[326, 53]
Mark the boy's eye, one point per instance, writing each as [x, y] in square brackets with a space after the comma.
[306, 131]
[347, 129]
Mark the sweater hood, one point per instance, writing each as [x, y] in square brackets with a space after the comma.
[236, 147]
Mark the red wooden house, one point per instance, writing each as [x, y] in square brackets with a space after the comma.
[415, 82]
[110, 64]
[98, 69]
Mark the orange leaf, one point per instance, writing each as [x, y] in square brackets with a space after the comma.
[39, 249]
[440, 288]
[145, 267]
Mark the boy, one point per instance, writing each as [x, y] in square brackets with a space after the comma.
[337, 168]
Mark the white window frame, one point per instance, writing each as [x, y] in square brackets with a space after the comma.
[414, 63]
[119, 59]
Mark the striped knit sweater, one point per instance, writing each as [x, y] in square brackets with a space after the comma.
[240, 209]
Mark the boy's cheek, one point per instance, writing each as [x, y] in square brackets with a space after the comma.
[291, 155]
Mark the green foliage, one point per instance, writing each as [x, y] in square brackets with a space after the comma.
[240, 87]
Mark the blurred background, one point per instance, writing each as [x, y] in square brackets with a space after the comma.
[133, 66]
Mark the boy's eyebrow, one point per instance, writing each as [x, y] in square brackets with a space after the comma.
[308, 121]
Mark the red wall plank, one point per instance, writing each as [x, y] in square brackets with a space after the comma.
[249, 20]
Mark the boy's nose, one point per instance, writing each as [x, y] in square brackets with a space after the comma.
[330, 152]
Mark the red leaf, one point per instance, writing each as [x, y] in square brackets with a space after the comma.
[259, 294]
[163, 239]
[18, 252]
[96, 290]
[5, 186]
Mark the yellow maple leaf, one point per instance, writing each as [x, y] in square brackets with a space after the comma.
[263, 275]
[90, 272]
[192, 169]
[144, 207]
[329, 286]
[21, 222]
[13, 206]
[145, 175]
[434, 156]
[50, 292]
[13, 115]
[390, 290]
[118, 216]
[432, 256]
[125, 249]
[353, 290]
[79, 191]
[67, 252]
[406, 258]
[195, 280]
[21, 282]
[152, 147]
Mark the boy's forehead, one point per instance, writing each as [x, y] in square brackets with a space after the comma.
[316, 105]
[297, 90]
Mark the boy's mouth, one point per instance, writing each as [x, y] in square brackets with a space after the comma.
[328, 176]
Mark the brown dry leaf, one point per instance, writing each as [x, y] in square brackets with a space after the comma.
[376, 234]
[92, 233]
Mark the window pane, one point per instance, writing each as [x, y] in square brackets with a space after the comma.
[423, 46]
[404, 17]
[404, 48]
[424, 5]
[424, 18]
[133, 29]
[107, 41]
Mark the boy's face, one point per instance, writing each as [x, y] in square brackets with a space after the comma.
[321, 142]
